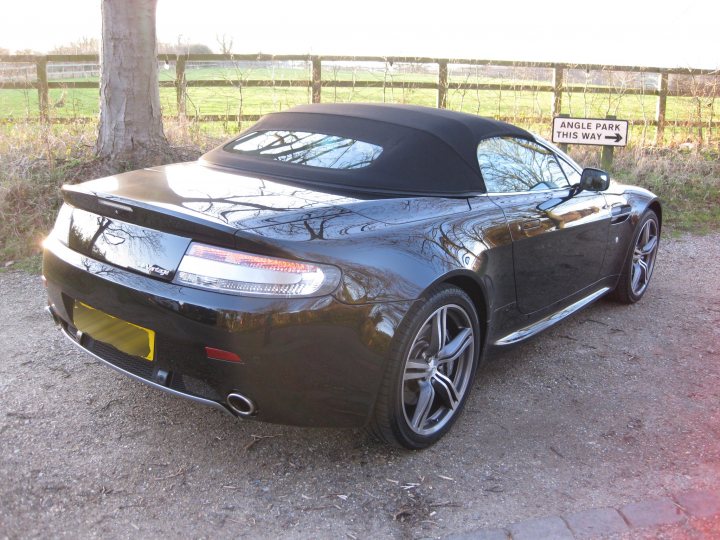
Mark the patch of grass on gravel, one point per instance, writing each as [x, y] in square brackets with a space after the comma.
[31, 264]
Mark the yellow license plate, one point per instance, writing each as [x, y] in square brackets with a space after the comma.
[124, 336]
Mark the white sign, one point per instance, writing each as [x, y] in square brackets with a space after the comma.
[597, 131]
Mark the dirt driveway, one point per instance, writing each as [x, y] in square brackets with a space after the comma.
[616, 404]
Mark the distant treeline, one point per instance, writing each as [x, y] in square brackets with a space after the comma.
[88, 45]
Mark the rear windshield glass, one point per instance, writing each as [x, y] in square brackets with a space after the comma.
[304, 148]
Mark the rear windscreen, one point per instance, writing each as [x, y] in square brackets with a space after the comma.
[305, 148]
[353, 154]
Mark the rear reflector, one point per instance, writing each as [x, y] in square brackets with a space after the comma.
[219, 354]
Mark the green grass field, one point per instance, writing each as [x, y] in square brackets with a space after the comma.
[516, 105]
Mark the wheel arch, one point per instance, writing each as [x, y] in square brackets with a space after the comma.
[388, 422]
[473, 286]
[656, 207]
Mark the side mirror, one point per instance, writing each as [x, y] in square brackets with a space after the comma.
[594, 180]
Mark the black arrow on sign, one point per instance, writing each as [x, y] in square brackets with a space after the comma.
[617, 137]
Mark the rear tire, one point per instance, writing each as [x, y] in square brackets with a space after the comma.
[433, 362]
[640, 263]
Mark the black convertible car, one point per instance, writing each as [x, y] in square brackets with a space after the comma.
[343, 265]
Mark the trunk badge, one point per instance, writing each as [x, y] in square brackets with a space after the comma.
[158, 270]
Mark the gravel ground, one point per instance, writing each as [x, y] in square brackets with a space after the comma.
[616, 404]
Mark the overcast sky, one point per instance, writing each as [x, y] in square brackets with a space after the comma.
[629, 32]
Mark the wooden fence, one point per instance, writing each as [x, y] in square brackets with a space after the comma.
[315, 84]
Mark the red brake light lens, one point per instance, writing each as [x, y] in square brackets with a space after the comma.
[213, 253]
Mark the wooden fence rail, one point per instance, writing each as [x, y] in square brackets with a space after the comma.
[316, 84]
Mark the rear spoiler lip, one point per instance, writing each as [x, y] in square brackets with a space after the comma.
[187, 224]
[196, 227]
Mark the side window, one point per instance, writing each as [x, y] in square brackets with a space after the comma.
[572, 175]
[557, 177]
[512, 165]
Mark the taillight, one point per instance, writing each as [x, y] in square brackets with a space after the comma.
[227, 270]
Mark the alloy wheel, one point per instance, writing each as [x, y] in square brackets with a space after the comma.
[438, 369]
[644, 257]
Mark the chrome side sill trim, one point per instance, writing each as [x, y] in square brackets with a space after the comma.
[197, 399]
[547, 322]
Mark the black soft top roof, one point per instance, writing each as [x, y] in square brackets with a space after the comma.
[426, 151]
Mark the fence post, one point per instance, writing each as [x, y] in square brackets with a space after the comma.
[316, 79]
[42, 87]
[661, 106]
[563, 146]
[607, 151]
[442, 84]
[181, 85]
[558, 73]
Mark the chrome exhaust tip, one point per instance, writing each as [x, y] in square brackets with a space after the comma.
[241, 405]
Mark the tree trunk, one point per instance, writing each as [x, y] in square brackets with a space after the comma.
[131, 131]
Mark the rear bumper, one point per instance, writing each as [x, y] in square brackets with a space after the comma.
[312, 362]
[78, 342]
